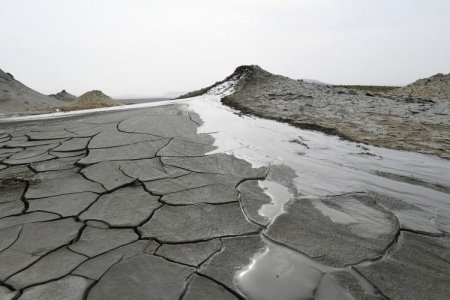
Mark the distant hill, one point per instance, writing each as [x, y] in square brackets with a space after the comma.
[436, 87]
[64, 96]
[16, 97]
[91, 99]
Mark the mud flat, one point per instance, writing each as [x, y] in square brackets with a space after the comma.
[190, 200]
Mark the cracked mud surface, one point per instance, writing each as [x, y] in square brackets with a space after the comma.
[131, 205]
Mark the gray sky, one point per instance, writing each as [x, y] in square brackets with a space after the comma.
[145, 48]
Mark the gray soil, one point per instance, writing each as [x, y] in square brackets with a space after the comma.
[381, 119]
[15, 97]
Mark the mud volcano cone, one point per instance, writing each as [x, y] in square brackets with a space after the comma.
[91, 99]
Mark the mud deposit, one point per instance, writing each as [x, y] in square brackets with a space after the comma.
[387, 120]
[189, 200]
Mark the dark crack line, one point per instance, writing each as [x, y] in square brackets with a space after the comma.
[193, 121]
[52, 279]
[173, 261]
[198, 202]
[126, 144]
[16, 239]
[45, 255]
[198, 172]
[137, 228]
[187, 284]
[187, 189]
[264, 235]
[166, 145]
[212, 254]
[248, 234]
[56, 195]
[376, 288]
[89, 288]
[236, 294]
[8, 286]
[430, 234]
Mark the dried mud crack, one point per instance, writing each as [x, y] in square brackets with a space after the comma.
[131, 205]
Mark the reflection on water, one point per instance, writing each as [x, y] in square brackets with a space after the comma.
[279, 195]
[281, 273]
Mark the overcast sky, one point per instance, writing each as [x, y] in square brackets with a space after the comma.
[149, 47]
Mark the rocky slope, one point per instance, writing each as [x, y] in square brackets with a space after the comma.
[394, 121]
[91, 99]
[64, 96]
[436, 87]
[16, 97]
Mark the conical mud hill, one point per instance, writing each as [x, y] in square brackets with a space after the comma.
[91, 99]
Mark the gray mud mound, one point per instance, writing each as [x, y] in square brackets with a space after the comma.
[16, 97]
[436, 87]
[64, 96]
[91, 99]
[381, 119]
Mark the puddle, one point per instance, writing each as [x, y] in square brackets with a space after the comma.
[279, 195]
[281, 273]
